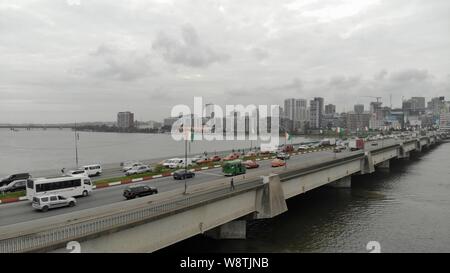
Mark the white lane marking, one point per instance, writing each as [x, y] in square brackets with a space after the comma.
[212, 174]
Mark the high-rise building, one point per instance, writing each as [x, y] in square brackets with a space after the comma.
[125, 120]
[418, 103]
[359, 108]
[289, 108]
[357, 121]
[376, 115]
[295, 110]
[330, 109]
[316, 112]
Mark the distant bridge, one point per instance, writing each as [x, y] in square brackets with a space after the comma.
[36, 126]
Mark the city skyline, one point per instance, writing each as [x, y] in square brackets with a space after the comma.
[132, 56]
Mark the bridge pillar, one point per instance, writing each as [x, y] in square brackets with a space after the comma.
[345, 182]
[232, 230]
[385, 165]
[367, 165]
[270, 200]
[406, 156]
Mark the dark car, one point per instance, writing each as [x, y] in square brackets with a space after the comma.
[132, 192]
[183, 174]
[18, 176]
[17, 185]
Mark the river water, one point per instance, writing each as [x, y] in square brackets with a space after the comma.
[406, 209]
[53, 149]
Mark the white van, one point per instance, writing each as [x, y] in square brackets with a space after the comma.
[93, 170]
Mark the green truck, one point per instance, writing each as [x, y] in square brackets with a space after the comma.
[232, 168]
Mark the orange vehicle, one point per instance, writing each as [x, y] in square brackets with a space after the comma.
[251, 164]
[215, 158]
[278, 163]
[203, 161]
[231, 156]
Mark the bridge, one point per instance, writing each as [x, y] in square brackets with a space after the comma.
[211, 208]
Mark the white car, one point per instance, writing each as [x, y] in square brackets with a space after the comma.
[303, 147]
[78, 173]
[129, 166]
[139, 170]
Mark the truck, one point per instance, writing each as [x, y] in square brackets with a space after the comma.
[356, 144]
[328, 142]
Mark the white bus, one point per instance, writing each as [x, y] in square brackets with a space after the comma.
[67, 186]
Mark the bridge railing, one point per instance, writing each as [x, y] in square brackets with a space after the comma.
[57, 236]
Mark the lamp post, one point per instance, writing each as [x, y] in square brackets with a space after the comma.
[185, 165]
[76, 145]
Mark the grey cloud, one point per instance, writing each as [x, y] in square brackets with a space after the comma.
[111, 62]
[188, 50]
[410, 75]
[259, 53]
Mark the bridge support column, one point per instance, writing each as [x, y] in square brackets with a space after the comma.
[406, 156]
[345, 182]
[232, 230]
[385, 165]
[270, 200]
[367, 165]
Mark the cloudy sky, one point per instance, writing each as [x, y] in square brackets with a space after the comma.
[79, 60]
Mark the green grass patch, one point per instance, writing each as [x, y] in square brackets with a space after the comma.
[12, 194]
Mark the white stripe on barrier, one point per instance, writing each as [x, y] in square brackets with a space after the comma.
[137, 179]
[157, 176]
[217, 166]
[94, 187]
[22, 198]
[205, 168]
[114, 183]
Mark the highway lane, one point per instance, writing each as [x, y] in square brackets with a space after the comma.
[115, 170]
[22, 211]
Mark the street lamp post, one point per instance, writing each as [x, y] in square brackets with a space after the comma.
[185, 165]
[76, 145]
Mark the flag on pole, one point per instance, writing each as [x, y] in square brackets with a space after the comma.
[288, 136]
